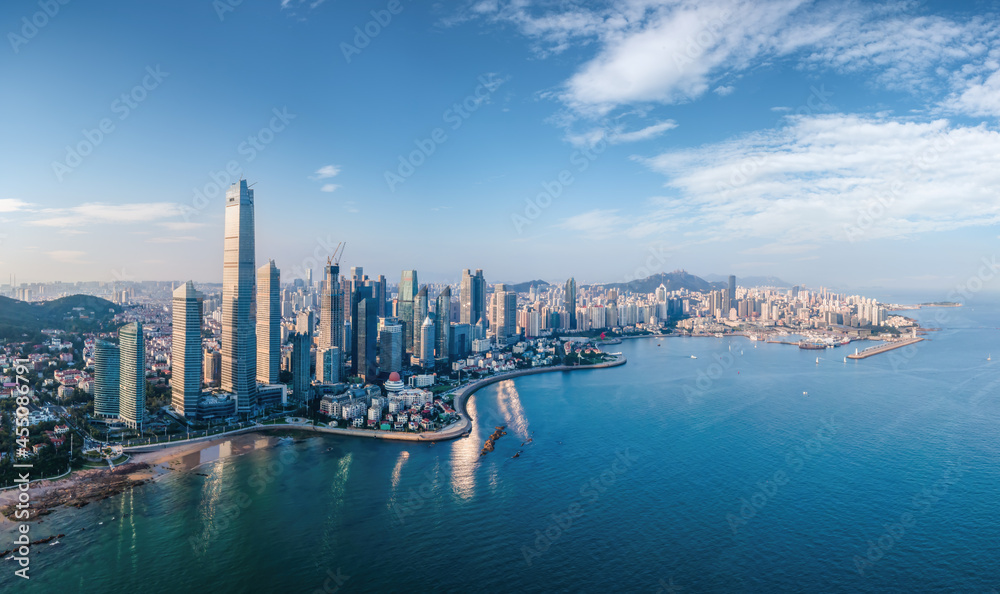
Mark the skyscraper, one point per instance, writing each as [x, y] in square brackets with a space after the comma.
[407, 292]
[268, 323]
[380, 295]
[239, 336]
[505, 313]
[365, 326]
[570, 300]
[472, 297]
[426, 353]
[328, 365]
[420, 308]
[185, 351]
[331, 316]
[107, 379]
[732, 290]
[443, 325]
[301, 363]
[132, 386]
[390, 356]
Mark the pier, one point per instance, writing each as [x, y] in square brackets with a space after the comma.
[871, 351]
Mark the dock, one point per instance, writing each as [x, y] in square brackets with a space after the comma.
[871, 351]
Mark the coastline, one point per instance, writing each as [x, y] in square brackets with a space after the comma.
[155, 461]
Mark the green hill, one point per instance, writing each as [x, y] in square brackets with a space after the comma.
[21, 321]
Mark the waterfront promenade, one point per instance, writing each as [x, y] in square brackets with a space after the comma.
[456, 429]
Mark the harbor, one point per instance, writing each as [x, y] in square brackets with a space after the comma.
[876, 350]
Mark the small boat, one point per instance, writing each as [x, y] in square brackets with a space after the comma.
[805, 393]
[518, 454]
[845, 359]
[817, 360]
[693, 357]
[100, 523]
[54, 542]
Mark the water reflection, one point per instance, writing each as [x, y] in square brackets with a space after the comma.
[465, 456]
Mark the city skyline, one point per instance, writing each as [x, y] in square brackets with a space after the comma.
[731, 156]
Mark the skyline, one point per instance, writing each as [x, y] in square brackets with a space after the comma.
[751, 155]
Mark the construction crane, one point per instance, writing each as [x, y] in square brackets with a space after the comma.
[337, 253]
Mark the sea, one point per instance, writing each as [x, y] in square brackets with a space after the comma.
[702, 465]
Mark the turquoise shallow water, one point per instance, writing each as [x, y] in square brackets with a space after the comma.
[714, 474]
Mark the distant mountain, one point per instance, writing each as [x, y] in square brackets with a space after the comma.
[750, 281]
[673, 281]
[525, 287]
[20, 318]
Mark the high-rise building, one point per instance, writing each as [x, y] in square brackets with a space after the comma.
[328, 365]
[305, 322]
[460, 340]
[732, 290]
[268, 323]
[107, 379]
[390, 356]
[185, 351]
[570, 301]
[420, 309]
[239, 334]
[505, 313]
[472, 297]
[132, 386]
[331, 317]
[407, 293]
[426, 353]
[365, 326]
[212, 374]
[442, 328]
[380, 295]
[301, 363]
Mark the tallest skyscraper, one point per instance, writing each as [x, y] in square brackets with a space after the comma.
[239, 336]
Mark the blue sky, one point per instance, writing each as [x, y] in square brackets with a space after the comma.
[844, 144]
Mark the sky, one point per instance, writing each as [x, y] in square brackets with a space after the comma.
[844, 144]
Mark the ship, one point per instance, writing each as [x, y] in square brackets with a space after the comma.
[812, 346]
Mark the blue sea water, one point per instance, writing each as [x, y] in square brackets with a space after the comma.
[748, 469]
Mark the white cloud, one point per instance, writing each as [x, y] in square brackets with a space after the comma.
[724, 90]
[12, 205]
[329, 187]
[670, 51]
[325, 172]
[618, 135]
[819, 178]
[595, 224]
[95, 213]
[181, 239]
[66, 256]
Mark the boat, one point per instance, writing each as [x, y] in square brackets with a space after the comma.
[693, 357]
[54, 542]
[517, 455]
[813, 346]
[805, 393]
[817, 360]
[845, 359]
